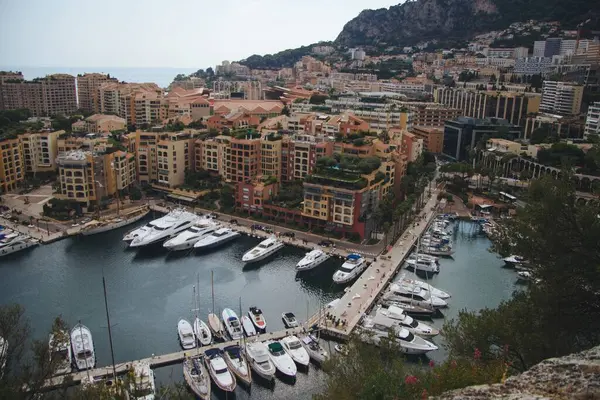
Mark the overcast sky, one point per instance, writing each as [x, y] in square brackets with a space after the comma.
[164, 33]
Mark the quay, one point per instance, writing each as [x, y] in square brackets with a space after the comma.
[156, 361]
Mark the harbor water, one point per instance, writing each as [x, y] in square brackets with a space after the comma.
[149, 290]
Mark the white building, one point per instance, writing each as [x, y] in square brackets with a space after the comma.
[533, 65]
[521, 52]
[592, 121]
[562, 98]
[498, 52]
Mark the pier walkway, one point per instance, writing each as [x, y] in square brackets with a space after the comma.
[160, 360]
[360, 297]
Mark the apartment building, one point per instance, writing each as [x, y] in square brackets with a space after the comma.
[137, 103]
[262, 108]
[247, 90]
[234, 120]
[180, 102]
[44, 97]
[8, 76]
[432, 114]
[270, 156]
[300, 153]
[251, 196]
[433, 138]
[412, 146]
[344, 124]
[99, 123]
[592, 120]
[242, 159]
[511, 106]
[12, 169]
[146, 155]
[563, 98]
[533, 66]
[188, 84]
[91, 143]
[77, 177]
[210, 154]
[87, 90]
[174, 155]
[499, 52]
[123, 165]
[40, 151]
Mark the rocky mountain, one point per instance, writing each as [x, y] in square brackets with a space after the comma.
[421, 20]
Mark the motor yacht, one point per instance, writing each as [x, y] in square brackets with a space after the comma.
[144, 229]
[216, 238]
[188, 238]
[248, 326]
[196, 376]
[142, 387]
[423, 256]
[312, 259]
[423, 265]
[14, 242]
[512, 261]
[186, 334]
[414, 295]
[83, 347]
[314, 349]
[424, 285]
[258, 319]
[410, 309]
[354, 265]
[165, 228]
[292, 345]
[232, 324]
[398, 315]
[218, 370]
[235, 359]
[60, 351]
[378, 327]
[95, 227]
[263, 250]
[282, 360]
[257, 355]
[444, 251]
[289, 320]
[202, 332]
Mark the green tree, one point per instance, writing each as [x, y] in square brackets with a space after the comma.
[226, 198]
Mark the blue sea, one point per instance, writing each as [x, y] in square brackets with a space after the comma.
[161, 76]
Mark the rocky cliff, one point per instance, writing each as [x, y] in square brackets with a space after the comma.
[421, 20]
[576, 376]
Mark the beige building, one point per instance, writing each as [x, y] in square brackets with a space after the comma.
[40, 151]
[76, 177]
[87, 90]
[270, 157]
[563, 98]
[11, 164]
[44, 97]
[100, 123]
[137, 103]
[180, 102]
[210, 154]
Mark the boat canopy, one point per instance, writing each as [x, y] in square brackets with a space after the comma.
[212, 352]
[289, 315]
[231, 319]
[233, 351]
[275, 347]
[354, 256]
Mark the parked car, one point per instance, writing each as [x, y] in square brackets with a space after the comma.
[326, 243]
[234, 222]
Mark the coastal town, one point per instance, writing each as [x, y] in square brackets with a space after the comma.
[365, 173]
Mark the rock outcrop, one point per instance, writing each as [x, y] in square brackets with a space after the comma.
[573, 377]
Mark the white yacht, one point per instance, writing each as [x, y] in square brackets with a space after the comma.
[188, 238]
[258, 319]
[142, 386]
[424, 265]
[202, 332]
[95, 227]
[289, 320]
[257, 354]
[398, 315]
[196, 376]
[248, 326]
[354, 265]
[232, 324]
[282, 361]
[263, 250]
[292, 345]
[15, 241]
[424, 285]
[186, 334]
[314, 349]
[235, 359]
[216, 238]
[423, 256]
[413, 295]
[83, 347]
[218, 370]
[164, 228]
[513, 260]
[60, 350]
[378, 328]
[312, 259]
[216, 326]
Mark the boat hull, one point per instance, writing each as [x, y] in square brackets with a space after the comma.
[117, 225]
[200, 389]
[262, 256]
[201, 246]
[18, 247]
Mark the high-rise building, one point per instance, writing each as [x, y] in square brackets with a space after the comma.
[40, 151]
[12, 169]
[88, 93]
[44, 97]
[563, 98]
[137, 103]
[242, 159]
[592, 120]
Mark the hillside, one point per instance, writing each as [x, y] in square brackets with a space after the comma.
[422, 20]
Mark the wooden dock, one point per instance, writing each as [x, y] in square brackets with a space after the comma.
[160, 360]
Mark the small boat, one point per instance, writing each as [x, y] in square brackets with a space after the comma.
[216, 326]
[398, 316]
[424, 285]
[188, 238]
[258, 319]
[342, 349]
[314, 349]
[414, 295]
[282, 361]
[218, 370]
[527, 276]
[142, 387]
[444, 251]
[354, 265]
[186, 334]
[513, 260]
[60, 352]
[83, 347]
[289, 320]
[217, 238]
[248, 326]
[232, 324]
[237, 363]
[257, 354]
[294, 348]
[95, 227]
[202, 332]
[379, 327]
[312, 259]
[196, 376]
[263, 250]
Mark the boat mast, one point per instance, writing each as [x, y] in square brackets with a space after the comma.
[195, 300]
[112, 353]
[116, 186]
[212, 288]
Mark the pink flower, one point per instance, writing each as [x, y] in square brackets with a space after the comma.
[411, 380]
[477, 354]
[431, 363]
[424, 394]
